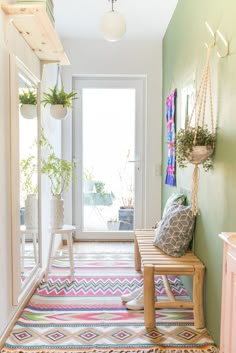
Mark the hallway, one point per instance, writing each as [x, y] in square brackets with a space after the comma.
[88, 315]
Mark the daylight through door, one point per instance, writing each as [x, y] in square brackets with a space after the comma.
[108, 189]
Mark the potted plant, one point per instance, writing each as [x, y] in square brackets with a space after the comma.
[28, 103]
[126, 212]
[29, 184]
[99, 187]
[113, 224]
[88, 181]
[59, 101]
[60, 174]
[195, 148]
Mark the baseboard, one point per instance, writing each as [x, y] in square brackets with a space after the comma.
[19, 310]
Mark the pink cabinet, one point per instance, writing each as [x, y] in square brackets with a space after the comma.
[228, 308]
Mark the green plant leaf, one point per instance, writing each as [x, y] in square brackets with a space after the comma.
[185, 144]
[59, 97]
[28, 97]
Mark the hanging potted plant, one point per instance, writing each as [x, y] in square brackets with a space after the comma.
[59, 101]
[28, 104]
[195, 144]
[195, 152]
[60, 173]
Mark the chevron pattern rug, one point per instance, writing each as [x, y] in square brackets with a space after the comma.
[87, 315]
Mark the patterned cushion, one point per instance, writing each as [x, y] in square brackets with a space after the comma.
[174, 198]
[175, 231]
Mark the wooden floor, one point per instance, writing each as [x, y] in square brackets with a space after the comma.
[106, 247]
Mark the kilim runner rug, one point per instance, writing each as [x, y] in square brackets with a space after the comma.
[87, 315]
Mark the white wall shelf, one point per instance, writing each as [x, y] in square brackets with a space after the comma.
[34, 25]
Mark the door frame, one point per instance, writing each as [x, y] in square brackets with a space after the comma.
[117, 81]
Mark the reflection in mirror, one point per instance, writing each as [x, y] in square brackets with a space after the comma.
[28, 160]
[25, 195]
[28, 176]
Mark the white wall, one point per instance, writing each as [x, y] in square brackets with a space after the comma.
[98, 57]
[6, 308]
[11, 41]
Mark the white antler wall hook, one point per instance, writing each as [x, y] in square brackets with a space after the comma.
[212, 33]
[225, 43]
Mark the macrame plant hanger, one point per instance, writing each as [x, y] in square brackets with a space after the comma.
[59, 77]
[201, 98]
[58, 110]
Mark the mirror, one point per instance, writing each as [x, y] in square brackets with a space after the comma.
[25, 179]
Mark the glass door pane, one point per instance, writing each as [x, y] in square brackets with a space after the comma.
[108, 135]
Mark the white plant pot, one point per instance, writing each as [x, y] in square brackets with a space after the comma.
[113, 225]
[28, 111]
[88, 186]
[31, 211]
[56, 212]
[57, 111]
[199, 154]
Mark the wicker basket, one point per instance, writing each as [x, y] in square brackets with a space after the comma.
[199, 154]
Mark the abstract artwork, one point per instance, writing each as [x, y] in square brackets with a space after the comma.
[170, 120]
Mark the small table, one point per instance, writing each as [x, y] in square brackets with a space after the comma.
[65, 230]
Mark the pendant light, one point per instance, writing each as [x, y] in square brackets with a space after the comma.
[113, 25]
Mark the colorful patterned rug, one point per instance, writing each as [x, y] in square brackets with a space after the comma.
[87, 315]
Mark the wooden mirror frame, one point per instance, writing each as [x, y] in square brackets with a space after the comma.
[19, 291]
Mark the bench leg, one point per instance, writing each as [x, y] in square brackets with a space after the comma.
[137, 257]
[149, 297]
[198, 281]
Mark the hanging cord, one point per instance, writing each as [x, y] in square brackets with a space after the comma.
[201, 96]
[211, 103]
[196, 100]
[195, 182]
[59, 76]
[112, 5]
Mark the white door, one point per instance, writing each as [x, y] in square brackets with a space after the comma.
[108, 148]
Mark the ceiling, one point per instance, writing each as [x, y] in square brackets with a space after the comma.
[145, 19]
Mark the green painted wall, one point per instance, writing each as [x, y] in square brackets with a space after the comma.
[184, 56]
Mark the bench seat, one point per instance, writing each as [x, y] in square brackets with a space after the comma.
[154, 261]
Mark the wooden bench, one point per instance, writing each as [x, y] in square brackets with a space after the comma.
[156, 262]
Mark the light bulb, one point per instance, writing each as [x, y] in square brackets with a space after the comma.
[113, 26]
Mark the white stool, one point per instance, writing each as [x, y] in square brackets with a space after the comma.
[68, 231]
[33, 232]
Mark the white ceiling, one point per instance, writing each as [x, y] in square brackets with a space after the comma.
[145, 19]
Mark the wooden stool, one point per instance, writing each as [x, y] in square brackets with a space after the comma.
[156, 262]
[65, 230]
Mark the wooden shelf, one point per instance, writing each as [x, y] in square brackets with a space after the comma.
[34, 25]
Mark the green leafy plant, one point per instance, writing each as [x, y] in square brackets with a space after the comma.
[28, 97]
[59, 171]
[100, 187]
[29, 170]
[59, 97]
[185, 144]
[88, 174]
